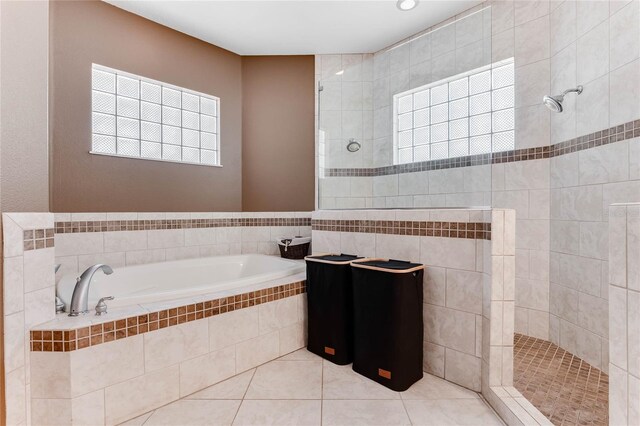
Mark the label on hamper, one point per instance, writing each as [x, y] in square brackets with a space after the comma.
[384, 373]
[329, 350]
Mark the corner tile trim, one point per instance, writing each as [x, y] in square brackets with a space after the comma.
[159, 224]
[618, 133]
[36, 239]
[471, 230]
[96, 334]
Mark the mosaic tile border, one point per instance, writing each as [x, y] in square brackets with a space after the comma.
[602, 137]
[36, 239]
[471, 230]
[80, 338]
[161, 224]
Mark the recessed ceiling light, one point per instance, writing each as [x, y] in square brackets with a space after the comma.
[406, 4]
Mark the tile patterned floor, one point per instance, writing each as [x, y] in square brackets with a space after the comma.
[566, 389]
[302, 389]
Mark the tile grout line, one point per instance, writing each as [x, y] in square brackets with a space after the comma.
[244, 394]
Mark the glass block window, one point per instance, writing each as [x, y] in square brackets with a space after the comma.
[137, 117]
[468, 114]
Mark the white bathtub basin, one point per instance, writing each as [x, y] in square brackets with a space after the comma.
[156, 282]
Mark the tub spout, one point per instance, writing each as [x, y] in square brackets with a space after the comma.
[80, 299]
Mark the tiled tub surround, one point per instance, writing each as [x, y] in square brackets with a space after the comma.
[124, 239]
[29, 283]
[159, 357]
[36, 239]
[624, 314]
[73, 227]
[28, 299]
[52, 337]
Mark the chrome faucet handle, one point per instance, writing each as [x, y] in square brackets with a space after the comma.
[101, 307]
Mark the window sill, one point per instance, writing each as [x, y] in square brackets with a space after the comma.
[154, 159]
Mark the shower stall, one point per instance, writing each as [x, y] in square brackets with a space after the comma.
[494, 108]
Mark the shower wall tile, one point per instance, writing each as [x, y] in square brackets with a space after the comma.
[532, 83]
[625, 92]
[502, 16]
[625, 35]
[533, 129]
[593, 53]
[573, 194]
[589, 181]
[590, 14]
[563, 23]
[532, 41]
[525, 11]
[602, 164]
[593, 106]
[502, 45]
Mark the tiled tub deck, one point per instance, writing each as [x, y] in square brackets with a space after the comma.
[130, 362]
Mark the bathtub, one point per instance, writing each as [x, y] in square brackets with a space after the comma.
[180, 279]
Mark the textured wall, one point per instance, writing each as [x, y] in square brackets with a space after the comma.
[277, 133]
[24, 176]
[83, 33]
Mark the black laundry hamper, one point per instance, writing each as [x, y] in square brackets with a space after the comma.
[388, 327]
[330, 307]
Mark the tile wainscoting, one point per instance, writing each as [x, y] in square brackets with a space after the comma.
[28, 299]
[469, 288]
[124, 239]
[457, 270]
[118, 239]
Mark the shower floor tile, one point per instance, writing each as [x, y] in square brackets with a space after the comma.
[302, 389]
[566, 389]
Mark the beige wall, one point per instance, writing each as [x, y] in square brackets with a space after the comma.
[24, 44]
[267, 106]
[278, 133]
[89, 32]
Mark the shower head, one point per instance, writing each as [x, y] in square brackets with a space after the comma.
[353, 145]
[554, 103]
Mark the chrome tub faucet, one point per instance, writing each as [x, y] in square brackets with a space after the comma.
[80, 299]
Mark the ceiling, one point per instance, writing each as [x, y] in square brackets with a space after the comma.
[295, 27]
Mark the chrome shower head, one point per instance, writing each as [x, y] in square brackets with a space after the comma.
[353, 145]
[554, 103]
